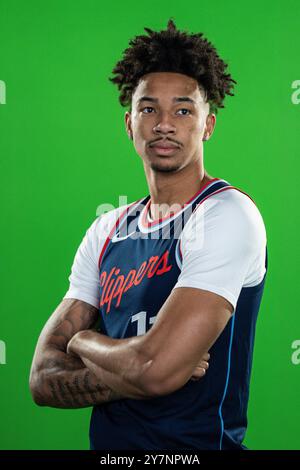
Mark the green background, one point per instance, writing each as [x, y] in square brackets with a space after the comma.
[64, 151]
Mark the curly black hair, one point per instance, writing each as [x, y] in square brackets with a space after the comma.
[172, 50]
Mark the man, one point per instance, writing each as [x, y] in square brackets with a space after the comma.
[174, 275]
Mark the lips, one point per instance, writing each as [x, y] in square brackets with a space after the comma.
[164, 150]
[165, 145]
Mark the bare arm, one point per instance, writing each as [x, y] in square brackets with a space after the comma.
[162, 360]
[59, 379]
[63, 380]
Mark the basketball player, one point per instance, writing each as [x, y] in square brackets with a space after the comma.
[173, 275]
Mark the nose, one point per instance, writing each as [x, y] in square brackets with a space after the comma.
[164, 125]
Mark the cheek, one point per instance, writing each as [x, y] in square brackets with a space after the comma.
[193, 137]
[141, 128]
[193, 132]
[140, 139]
[141, 131]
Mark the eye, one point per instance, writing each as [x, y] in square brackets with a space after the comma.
[185, 109]
[147, 107]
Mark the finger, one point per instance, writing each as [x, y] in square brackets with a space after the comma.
[204, 365]
[198, 373]
[206, 357]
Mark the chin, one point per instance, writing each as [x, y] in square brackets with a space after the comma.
[164, 168]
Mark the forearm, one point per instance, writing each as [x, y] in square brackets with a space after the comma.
[59, 379]
[65, 382]
[118, 363]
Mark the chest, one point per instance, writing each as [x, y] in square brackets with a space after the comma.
[136, 277]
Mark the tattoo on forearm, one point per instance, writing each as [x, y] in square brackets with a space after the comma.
[53, 392]
[62, 392]
[66, 382]
[80, 317]
[78, 403]
[87, 386]
[83, 391]
[76, 385]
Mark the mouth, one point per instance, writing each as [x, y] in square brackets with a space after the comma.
[164, 148]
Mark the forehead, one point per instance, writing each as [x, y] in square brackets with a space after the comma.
[167, 85]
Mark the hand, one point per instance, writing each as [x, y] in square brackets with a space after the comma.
[201, 368]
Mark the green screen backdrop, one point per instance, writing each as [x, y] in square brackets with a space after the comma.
[64, 151]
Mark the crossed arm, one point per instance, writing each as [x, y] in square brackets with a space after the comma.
[75, 366]
[58, 379]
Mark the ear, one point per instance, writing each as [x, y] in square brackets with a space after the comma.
[210, 126]
[128, 127]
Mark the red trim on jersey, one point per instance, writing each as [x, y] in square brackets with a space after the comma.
[180, 250]
[223, 189]
[219, 191]
[146, 223]
[113, 230]
[160, 220]
[244, 193]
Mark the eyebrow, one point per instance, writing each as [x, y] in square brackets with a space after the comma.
[177, 99]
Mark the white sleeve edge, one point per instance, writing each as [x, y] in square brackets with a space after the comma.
[79, 295]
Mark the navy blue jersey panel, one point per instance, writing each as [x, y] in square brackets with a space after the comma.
[137, 274]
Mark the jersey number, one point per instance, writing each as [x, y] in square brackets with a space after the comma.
[141, 319]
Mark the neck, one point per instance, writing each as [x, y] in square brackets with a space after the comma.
[174, 189]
